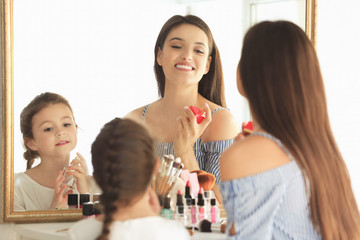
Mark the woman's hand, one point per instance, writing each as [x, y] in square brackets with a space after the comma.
[60, 197]
[188, 131]
[79, 170]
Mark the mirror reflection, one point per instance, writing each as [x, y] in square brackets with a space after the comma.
[99, 56]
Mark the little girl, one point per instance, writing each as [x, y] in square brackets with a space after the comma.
[124, 163]
[49, 133]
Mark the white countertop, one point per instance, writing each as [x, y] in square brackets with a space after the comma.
[57, 231]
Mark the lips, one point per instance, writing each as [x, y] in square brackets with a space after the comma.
[61, 143]
[186, 67]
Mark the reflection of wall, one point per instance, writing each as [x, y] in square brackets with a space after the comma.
[100, 57]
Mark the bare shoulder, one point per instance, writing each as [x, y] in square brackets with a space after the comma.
[135, 114]
[250, 156]
[222, 126]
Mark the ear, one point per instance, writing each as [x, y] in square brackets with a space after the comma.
[159, 57]
[208, 63]
[31, 144]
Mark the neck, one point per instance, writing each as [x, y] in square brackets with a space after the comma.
[50, 166]
[139, 209]
[177, 97]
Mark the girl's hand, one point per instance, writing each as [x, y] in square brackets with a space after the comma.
[154, 201]
[188, 131]
[60, 198]
[79, 170]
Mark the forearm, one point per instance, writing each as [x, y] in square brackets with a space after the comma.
[189, 160]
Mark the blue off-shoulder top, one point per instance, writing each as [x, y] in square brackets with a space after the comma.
[270, 205]
[207, 153]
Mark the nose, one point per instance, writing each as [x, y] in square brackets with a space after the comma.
[60, 133]
[186, 54]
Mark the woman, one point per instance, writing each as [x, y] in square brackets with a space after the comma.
[288, 179]
[189, 73]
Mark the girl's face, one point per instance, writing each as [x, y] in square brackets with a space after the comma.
[185, 54]
[54, 131]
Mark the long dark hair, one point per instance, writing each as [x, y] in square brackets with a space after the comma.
[281, 78]
[211, 86]
[40, 102]
[123, 161]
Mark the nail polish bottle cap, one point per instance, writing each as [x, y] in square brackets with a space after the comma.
[73, 199]
[88, 209]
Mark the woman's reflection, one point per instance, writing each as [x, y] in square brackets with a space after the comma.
[189, 73]
[49, 133]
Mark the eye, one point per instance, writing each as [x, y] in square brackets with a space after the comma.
[48, 129]
[67, 124]
[176, 46]
[199, 51]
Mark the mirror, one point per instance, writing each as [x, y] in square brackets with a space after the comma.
[69, 47]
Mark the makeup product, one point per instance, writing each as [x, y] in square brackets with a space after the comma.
[214, 211]
[247, 128]
[84, 197]
[88, 210]
[96, 197]
[166, 212]
[179, 209]
[97, 208]
[193, 212]
[207, 226]
[199, 114]
[200, 204]
[73, 200]
[187, 195]
[69, 179]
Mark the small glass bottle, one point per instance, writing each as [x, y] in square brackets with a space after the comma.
[166, 211]
[88, 210]
[73, 200]
[84, 197]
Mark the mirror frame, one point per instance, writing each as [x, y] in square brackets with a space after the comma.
[7, 121]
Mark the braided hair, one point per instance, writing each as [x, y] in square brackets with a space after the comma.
[123, 161]
[40, 102]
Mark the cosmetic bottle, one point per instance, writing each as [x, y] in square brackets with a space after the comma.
[200, 206]
[84, 197]
[97, 208]
[88, 210]
[207, 205]
[214, 211]
[179, 209]
[193, 213]
[73, 200]
[96, 197]
[166, 211]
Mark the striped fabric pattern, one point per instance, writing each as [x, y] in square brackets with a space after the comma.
[269, 205]
[207, 153]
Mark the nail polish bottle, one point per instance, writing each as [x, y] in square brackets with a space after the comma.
[193, 213]
[73, 200]
[84, 197]
[166, 211]
[214, 211]
[179, 209]
[200, 206]
[88, 210]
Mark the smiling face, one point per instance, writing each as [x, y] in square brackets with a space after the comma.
[185, 54]
[54, 131]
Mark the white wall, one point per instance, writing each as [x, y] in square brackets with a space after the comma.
[338, 49]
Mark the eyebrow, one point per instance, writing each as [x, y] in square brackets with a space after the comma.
[180, 39]
[46, 121]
